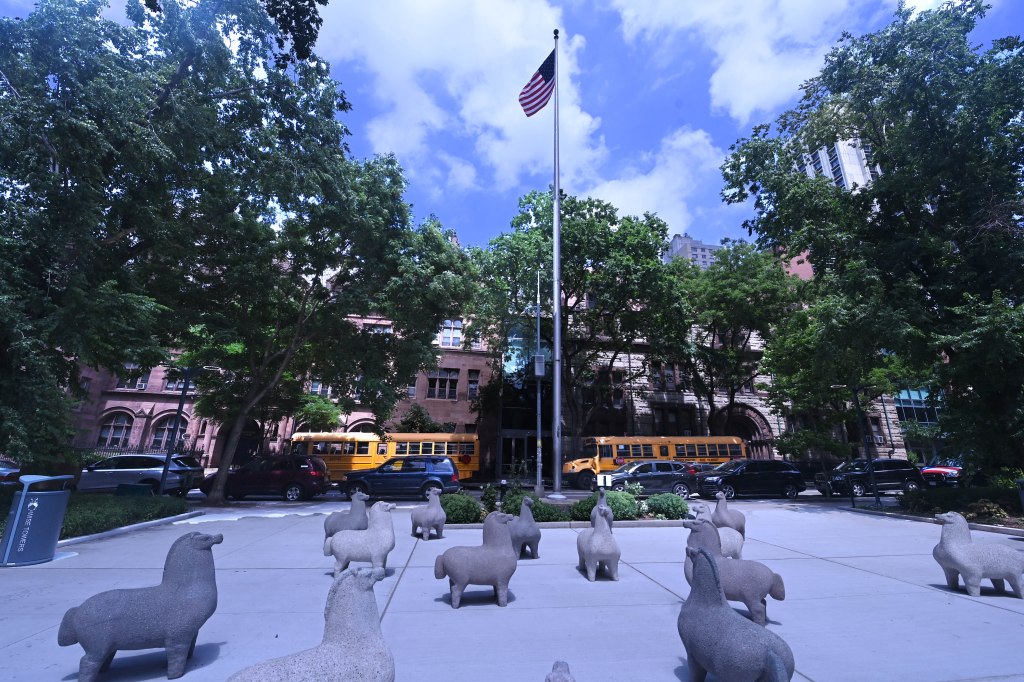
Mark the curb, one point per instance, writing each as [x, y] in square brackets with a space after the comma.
[113, 532]
[1005, 530]
[638, 523]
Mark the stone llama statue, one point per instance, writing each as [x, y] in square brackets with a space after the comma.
[732, 541]
[372, 545]
[602, 502]
[353, 519]
[353, 647]
[958, 555]
[597, 547]
[492, 563]
[524, 530]
[560, 673]
[744, 581]
[720, 641]
[430, 516]
[168, 615]
[725, 517]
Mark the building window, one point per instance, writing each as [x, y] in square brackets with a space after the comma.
[115, 431]
[819, 170]
[378, 328]
[442, 384]
[451, 334]
[166, 429]
[133, 378]
[474, 383]
[410, 391]
[178, 384]
[319, 388]
[663, 377]
[837, 167]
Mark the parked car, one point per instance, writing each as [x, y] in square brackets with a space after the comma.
[405, 476]
[656, 476]
[105, 475]
[752, 477]
[950, 472]
[294, 477]
[890, 474]
[9, 472]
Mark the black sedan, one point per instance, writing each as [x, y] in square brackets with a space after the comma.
[656, 476]
[752, 477]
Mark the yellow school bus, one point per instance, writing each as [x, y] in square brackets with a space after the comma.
[345, 452]
[604, 453]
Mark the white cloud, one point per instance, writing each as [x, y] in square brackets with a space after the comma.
[682, 171]
[762, 50]
[448, 73]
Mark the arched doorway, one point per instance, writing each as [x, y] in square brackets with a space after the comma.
[747, 423]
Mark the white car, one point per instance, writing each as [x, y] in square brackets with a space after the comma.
[183, 473]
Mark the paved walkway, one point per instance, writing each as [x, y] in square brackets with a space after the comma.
[864, 601]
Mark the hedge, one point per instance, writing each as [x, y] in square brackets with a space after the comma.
[624, 506]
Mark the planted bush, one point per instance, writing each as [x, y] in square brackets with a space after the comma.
[668, 506]
[90, 513]
[624, 507]
[461, 508]
[937, 500]
[489, 498]
[542, 511]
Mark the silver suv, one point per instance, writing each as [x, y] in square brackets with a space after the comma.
[182, 475]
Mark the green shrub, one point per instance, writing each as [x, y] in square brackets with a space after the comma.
[623, 505]
[667, 505]
[542, 511]
[461, 508]
[1006, 478]
[89, 513]
[938, 500]
[489, 498]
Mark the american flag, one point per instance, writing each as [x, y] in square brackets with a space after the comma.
[537, 92]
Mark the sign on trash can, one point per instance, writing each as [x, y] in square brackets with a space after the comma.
[34, 523]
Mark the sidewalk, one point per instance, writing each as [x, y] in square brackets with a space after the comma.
[864, 601]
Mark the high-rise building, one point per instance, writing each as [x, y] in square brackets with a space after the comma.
[697, 252]
[848, 164]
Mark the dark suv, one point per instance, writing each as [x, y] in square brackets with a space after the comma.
[657, 476]
[752, 477]
[405, 476]
[295, 477]
[890, 474]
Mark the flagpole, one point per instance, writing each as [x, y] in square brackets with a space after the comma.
[556, 304]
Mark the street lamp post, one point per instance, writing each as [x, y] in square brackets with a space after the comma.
[187, 373]
[856, 389]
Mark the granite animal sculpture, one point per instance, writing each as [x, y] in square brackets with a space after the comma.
[958, 555]
[732, 540]
[744, 581]
[725, 517]
[492, 563]
[354, 519]
[597, 547]
[167, 615]
[524, 530]
[602, 502]
[352, 648]
[560, 673]
[372, 545]
[429, 517]
[720, 641]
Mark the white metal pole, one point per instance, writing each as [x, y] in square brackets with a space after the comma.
[539, 487]
[556, 304]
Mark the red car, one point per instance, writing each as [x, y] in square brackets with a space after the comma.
[293, 477]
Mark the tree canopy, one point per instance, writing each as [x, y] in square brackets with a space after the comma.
[931, 250]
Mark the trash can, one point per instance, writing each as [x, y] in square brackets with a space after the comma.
[35, 520]
[1020, 491]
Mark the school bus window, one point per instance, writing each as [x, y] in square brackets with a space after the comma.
[401, 448]
[427, 448]
[363, 448]
[621, 450]
[712, 449]
[648, 450]
[663, 450]
[636, 451]
[382, 448]
[735, 450]
[702, 450]
[691, 450]
[414, 448]
[466, 448]
[606, 450]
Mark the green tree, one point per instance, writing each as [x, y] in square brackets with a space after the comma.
[610, 269]
[935, 238]
[417, 420]
[715, 322]
[318, 413]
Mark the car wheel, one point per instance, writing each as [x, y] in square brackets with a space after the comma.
[585, 479]
[155, 485]
[237, 496]
[729, 491]
[618, 487]
[354, 488]
[294, 492]
[681, 489]
[911, 487]
[790, 492]
[859, 490]
[425, 491]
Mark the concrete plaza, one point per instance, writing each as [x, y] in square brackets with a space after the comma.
[864, 601]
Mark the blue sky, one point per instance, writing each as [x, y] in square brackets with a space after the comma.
[652, 93]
